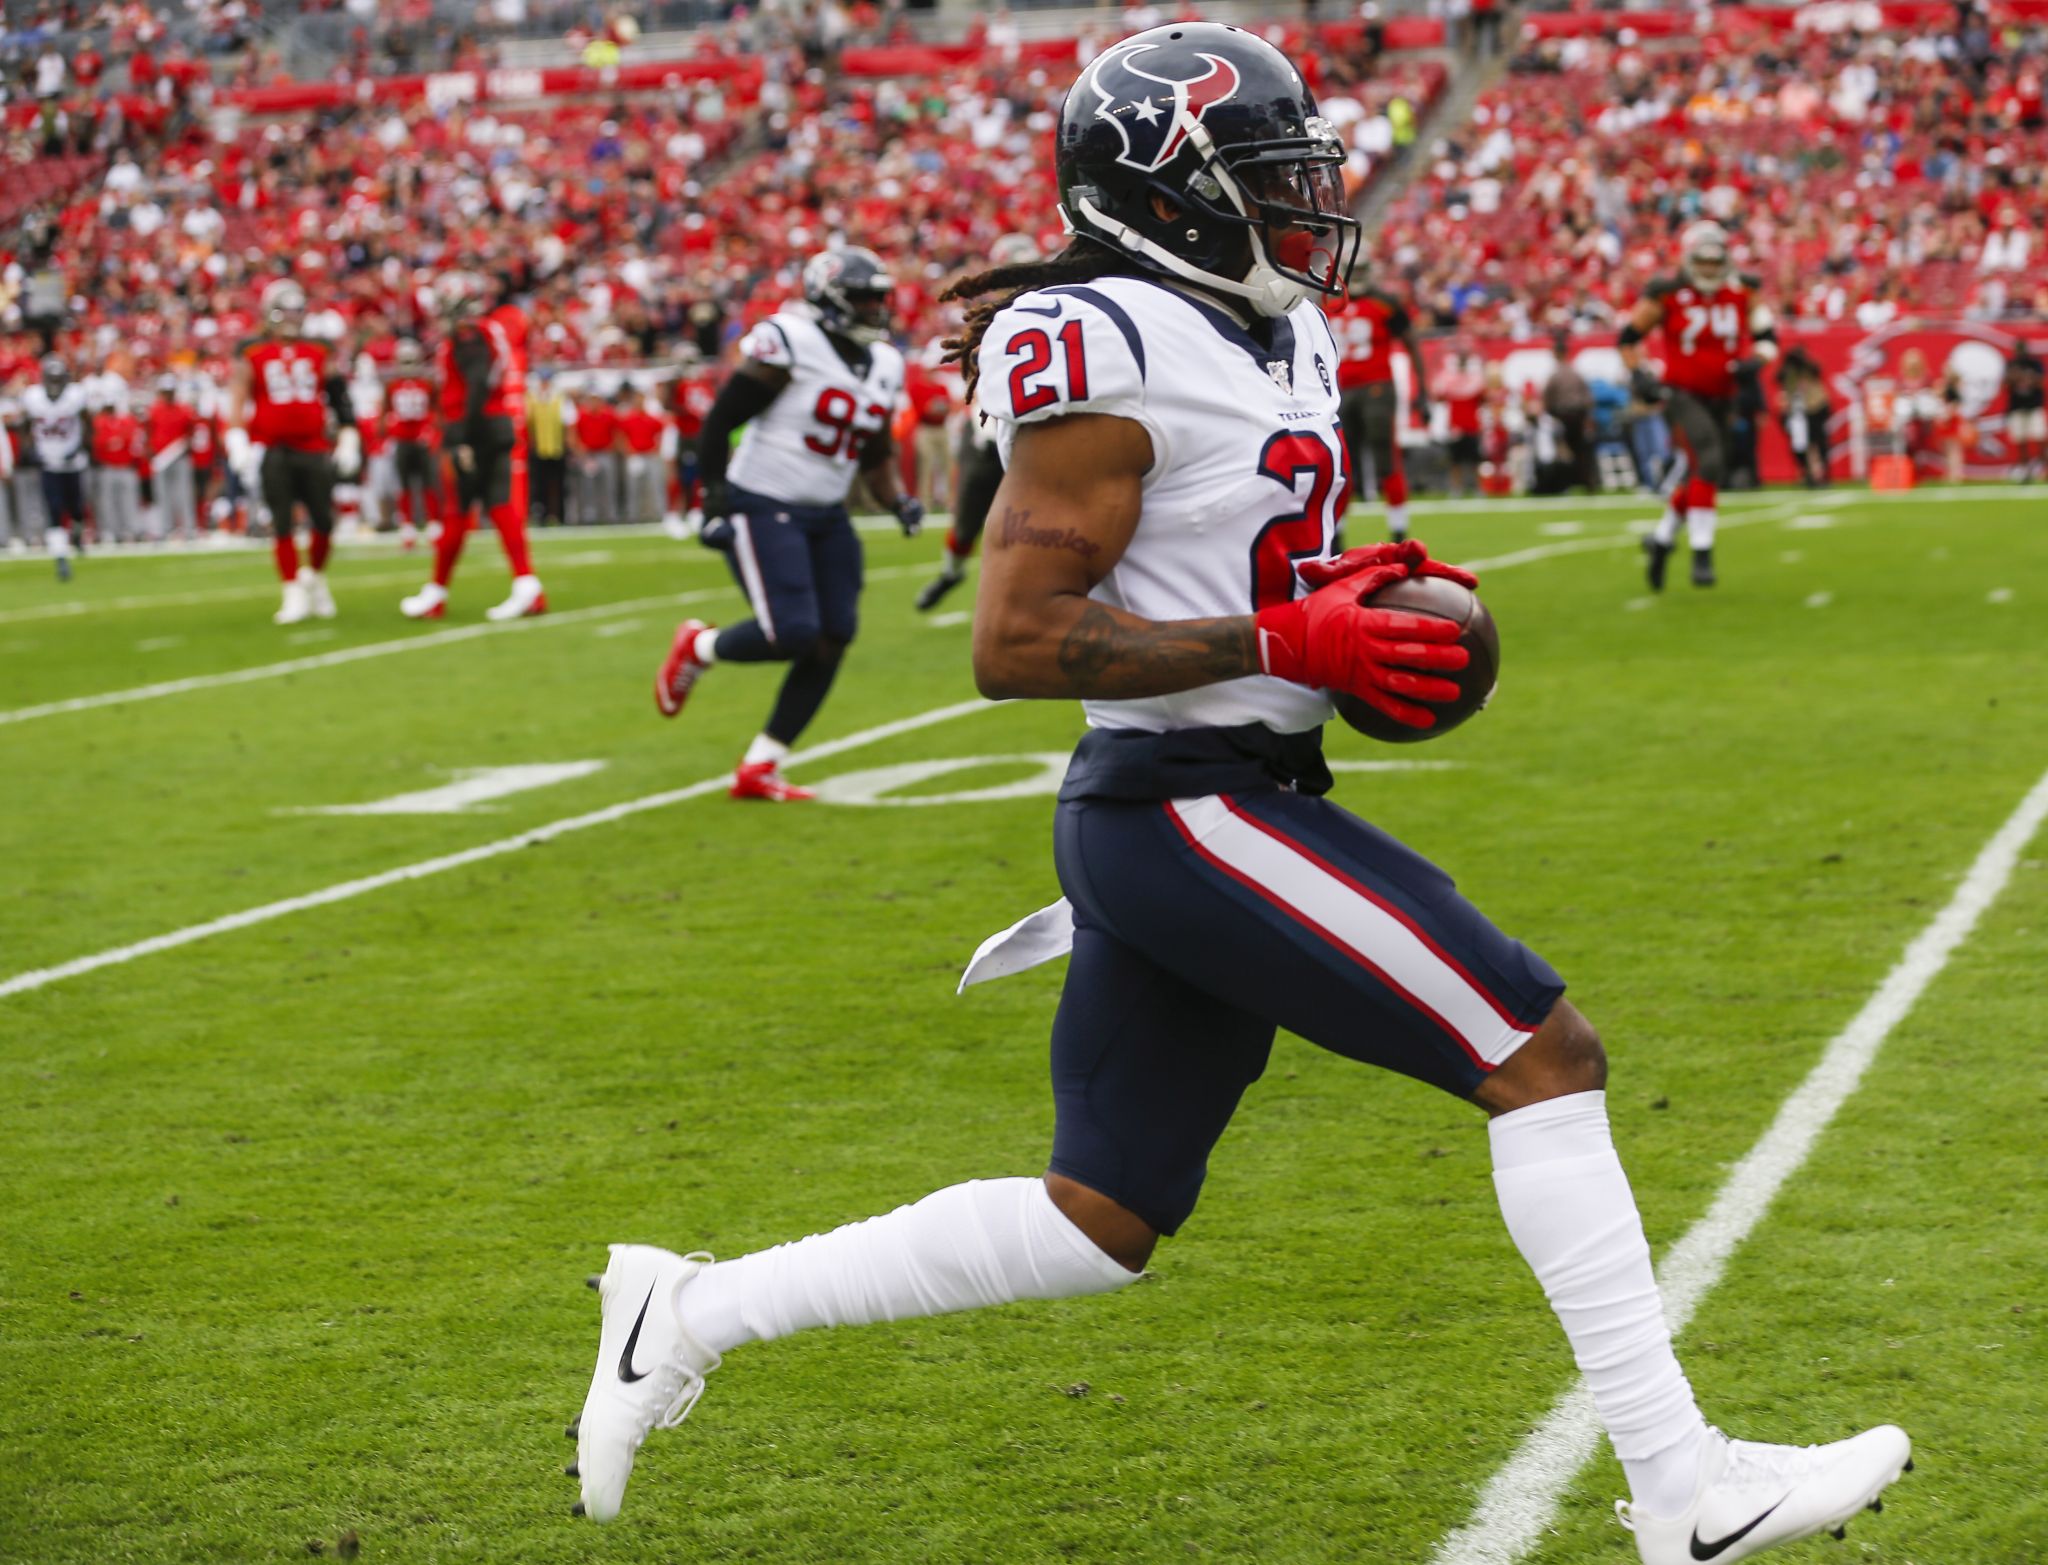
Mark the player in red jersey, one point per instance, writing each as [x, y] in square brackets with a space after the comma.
[481, 365]
[170, 426]
[1707, 327]
[284, 396]
[695, 390]
[206, 461]
[409, 421]
[1368, 325]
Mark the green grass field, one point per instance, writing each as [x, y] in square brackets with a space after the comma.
[294, 1219]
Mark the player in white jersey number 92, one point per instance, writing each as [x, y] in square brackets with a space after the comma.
[816, 389]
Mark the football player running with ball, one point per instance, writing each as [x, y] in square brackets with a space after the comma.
[1708, 327]
[815, 388]
[1163, 550]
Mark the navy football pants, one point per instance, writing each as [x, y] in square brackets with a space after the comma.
[1201, 925]
[800, 567]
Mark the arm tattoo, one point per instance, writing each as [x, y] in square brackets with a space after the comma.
[1112, 658]
[1015, 530]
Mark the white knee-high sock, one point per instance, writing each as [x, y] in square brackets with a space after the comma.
[1699, 525]
[1572, 1215]
[989, 1241]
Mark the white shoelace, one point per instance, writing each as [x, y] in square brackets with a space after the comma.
[689, 1382]
[1750, 1464]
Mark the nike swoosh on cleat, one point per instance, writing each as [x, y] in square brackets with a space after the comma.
[628, 1375]
[1710, 1551]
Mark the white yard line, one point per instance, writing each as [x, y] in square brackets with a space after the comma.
[378, 649]
[42, 978]
[335, 659]
[1515, 1511]
[1549, 551]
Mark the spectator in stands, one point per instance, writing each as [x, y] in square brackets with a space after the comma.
[1459, 392]
[931, 401]
[118, 455]
[1954, 434]
[1568, 400]
[1486, 23]
[597, 465]
[2007, 247]
[550, 416]
[641, 430]
[51, 72]
[1805, 408]
[1745, 429]
[2026, 424]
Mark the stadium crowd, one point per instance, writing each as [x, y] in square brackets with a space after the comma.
[1858, 171]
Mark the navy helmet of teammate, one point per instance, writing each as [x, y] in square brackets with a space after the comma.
[816, 388]
[1164, 550]
[980, 464]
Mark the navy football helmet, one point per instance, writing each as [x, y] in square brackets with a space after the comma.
[1220, 123]
[849, 288]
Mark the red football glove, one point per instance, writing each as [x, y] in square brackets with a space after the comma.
[1332, 641]
[1387, 561]
[1410, 557]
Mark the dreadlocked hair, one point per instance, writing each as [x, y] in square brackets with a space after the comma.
[994, 290]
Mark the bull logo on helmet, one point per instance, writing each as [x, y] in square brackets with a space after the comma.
[1153, 114]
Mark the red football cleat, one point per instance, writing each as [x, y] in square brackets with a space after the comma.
[761, 780]
[679, 670]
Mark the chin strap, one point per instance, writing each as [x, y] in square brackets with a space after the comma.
[1264, 289]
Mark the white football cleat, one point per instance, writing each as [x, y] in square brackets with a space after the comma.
[319, 597]
[1752, 1496]
[296, 606]
[526, 598]
[650, 1370]
[430, 602]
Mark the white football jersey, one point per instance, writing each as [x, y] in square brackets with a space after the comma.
[1249, 469]
[805, 448]
[57, 425]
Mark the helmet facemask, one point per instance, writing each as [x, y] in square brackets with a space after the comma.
[863, 314]
[1707, 263]
[1277, 210]
[284, 307]
[850, 291]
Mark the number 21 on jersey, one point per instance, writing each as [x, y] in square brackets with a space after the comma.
[1315, 465]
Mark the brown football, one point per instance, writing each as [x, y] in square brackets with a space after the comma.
[1441, 599]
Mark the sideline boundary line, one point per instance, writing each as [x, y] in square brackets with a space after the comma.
[42, 978]
[1517, 1505]
[79, 607]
